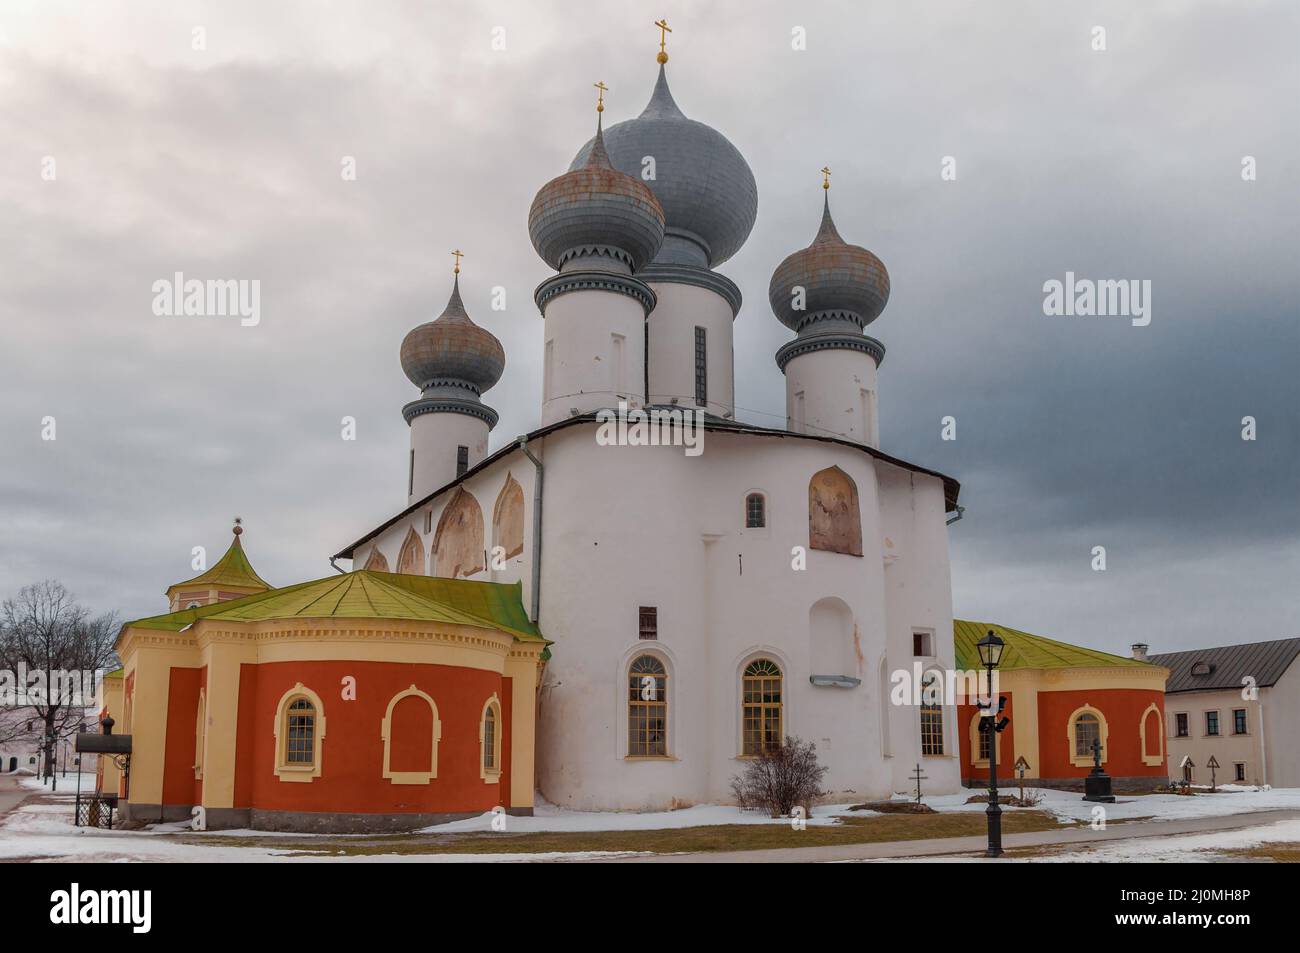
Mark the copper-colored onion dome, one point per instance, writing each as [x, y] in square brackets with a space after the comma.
[596, 210]
[840, 281]
[453, 350]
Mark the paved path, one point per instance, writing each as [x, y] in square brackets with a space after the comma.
[12, 793]
[969, 846]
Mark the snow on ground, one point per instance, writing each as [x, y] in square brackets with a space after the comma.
[46, 832]
[1185, 848]
[1070, 805]
[548, 817]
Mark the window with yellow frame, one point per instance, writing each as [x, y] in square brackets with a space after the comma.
[761, 707]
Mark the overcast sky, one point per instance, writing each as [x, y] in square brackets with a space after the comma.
[1072, 432]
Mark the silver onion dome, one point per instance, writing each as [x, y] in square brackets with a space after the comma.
[842, 284]
[452, 350]
[707, 191]
[595, 210]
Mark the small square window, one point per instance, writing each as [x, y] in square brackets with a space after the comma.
[922, 646]
[649, 622]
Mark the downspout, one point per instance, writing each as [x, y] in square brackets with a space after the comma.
[1263, 746]
[961, 511]
[334, 566]
[537, 528]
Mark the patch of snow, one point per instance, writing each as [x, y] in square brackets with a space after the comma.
[549, 818]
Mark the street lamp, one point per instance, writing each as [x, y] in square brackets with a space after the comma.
[990, 648]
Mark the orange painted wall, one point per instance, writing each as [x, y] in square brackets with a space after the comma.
[182, 712]
[1123, 709]
[353, 751]
[1006, 742]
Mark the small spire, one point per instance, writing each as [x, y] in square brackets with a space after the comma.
[598, 157]
[662, 105]
[664, 30]
[827, 232]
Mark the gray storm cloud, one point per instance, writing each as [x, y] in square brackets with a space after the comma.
[1072, 432]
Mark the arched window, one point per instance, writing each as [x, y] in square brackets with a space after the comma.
[1087, 729]
[761, 728]
[755, 511]
[647, 708]
[932, 715]
[1085, 725]
[200, 733]
[299, 731]
[489, 739]
[834, 523]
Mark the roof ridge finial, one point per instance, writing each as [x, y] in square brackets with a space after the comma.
[238, 528]
[664, 30]
[826, 177]
[600, 96]
[458, 255]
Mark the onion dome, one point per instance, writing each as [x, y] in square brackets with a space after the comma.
[843, 284]
[706, 189]
[596, 210]
[452, 350]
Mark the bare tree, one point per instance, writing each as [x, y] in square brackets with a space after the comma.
[46, 635]
[780, 779]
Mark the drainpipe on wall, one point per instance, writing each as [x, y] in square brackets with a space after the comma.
[334, 566]
[1263, 745]
[537, 528]
[961, 511]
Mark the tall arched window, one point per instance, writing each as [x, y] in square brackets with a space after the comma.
[932, 715]
[761, 728]
[1087, 729]
[647, 708]
[755, 511]
[411, 558]
[299, 731]
[489, 737]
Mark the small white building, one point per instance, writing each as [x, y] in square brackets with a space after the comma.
[1237, 704]
[702, 606]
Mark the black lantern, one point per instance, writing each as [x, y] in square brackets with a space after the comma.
[990, 649]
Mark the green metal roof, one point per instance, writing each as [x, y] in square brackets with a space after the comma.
[366, 594]
[1029, 651]
[232, 569]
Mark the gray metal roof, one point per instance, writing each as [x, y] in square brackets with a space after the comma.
[1229, 664]
[706, 188]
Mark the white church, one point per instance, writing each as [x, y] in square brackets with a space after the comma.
[701, 607]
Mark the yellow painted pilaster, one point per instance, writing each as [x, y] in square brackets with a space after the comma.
[522, 667]
[223, 659]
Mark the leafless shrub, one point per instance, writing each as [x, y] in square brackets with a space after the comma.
[780, 779]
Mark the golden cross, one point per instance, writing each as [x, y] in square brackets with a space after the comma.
[459, 255]
[600, 97]
[826, 177]
[664, 30]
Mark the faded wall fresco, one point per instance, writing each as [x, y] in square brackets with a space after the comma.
[411, 560]
[376, 561]
[508, 519]
[834, 522]
[458, 543]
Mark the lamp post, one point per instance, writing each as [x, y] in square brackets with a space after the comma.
[990, 649]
